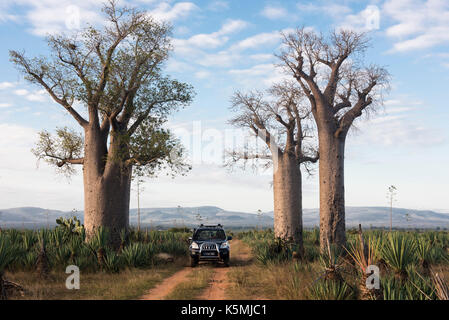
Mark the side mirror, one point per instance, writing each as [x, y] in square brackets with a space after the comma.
[229, 238]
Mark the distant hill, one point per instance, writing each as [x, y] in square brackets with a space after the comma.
[32, 217]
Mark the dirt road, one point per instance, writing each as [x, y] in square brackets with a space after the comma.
[160, 291]
[240, 254]
[216, 290]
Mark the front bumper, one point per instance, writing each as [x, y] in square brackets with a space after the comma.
[215, 255]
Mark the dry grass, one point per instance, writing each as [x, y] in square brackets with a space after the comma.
[274, 281]
[197, 281]
[128, 284]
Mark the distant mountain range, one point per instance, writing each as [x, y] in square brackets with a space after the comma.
[32, 217]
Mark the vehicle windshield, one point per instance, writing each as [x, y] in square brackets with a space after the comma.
[209, 234]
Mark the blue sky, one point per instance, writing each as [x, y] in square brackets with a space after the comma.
[222, 46]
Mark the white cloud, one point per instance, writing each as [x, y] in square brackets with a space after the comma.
[5, 105]
[259, 57]
[258, 40]
[21, 92]
[19, 174]
[55, 16]
[165, 12]
[417, 24]
[197, 48]
[218, 6]
[39, 95]
[222, 59]
[7, 17]
[331, 9]
[232, 26]
[208, 40]
[258, 75]
[398, 131]
[202, 74]
[366, 20]
[274, 13]
[6, 85]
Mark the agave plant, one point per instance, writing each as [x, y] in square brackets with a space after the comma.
[365, 255]
[112, 261]
[419, 287]
[399, 252]
[330, 290]
[123, 239]
[136, 255]
[86, 259]
[29, 260]
[393, 290]
[28, 240]
[42, 263]
[60, 256]
[99, 244]
[269, 251]
[6, 258]
[330, 259]
[424, 253]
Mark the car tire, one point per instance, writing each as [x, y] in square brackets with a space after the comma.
[226, 261]
[193, 262]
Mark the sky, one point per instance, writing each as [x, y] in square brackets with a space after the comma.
[224, 46]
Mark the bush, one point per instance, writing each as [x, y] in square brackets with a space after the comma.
[331, 290]
[399, 252]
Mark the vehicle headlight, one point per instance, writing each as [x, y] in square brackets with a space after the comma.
[224, 245]
[195, 245]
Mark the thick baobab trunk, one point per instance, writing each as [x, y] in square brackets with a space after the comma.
[332, 190]
[287, 199]
[107, 187]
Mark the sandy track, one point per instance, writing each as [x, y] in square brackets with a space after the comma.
[240, 255]
[160, 291]
[217, 286]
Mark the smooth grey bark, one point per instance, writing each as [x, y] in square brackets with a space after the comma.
[287, 184]
[332, 190]
[107, 185]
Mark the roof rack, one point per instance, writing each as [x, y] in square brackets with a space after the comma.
[211, 226]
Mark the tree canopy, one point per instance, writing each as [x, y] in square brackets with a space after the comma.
[280, 117]
[111, 80]
[332, 75]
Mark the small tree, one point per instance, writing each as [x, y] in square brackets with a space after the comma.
[339, 89]
[259, 217]
[391, 194]
[278, 117]
[115, 72]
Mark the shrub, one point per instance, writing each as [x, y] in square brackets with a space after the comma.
[399, 253]
[331, 290]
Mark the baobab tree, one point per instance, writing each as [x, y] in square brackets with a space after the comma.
[115, 73]
[278, 117]
[339, 89]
